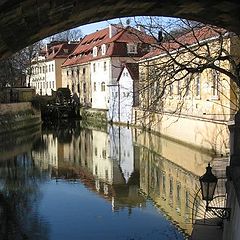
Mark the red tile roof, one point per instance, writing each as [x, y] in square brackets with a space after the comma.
[187, 39]
[115, 46]
[61, 50]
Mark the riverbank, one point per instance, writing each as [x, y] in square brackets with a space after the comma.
[18, 116]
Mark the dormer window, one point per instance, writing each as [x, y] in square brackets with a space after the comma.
[94, 51]
[132, 48]
[103, 48]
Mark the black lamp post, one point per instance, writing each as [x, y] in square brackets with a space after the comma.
[208, 184]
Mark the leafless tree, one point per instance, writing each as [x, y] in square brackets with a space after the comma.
[184, 50]
[74, 34]
[14, 69]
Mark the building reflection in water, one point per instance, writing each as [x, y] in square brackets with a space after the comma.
[19, 199]
[124, 166]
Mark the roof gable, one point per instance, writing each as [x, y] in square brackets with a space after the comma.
[132, 69]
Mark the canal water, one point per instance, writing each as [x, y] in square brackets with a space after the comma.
[67, 181]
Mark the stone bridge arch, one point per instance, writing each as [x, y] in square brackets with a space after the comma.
[23, 22]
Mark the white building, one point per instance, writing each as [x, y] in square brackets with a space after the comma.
[104, 52]
[124, 95]
[113, 155]
[120, 46]
[122, 150]
[45, 75]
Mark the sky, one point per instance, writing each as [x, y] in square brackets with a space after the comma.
[93, 27]
[164, 22]
[90, 28]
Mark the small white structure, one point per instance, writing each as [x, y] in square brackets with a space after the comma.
[122, 150]
[124, 95]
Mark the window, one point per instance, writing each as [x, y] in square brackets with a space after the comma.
[187, 85]
[84, 71]
[178, 192]
[104, 66]
[197, 85]
[171, 89]
[187, 204]
[106, 174]
[132, 48]
[164, 184]
[171, 186]
[67, 72]
[95, 150]
[53, 84]
[49, 68]
[78, 87]
[215, 83]
[94, 86]
[103, 48]
[52, 68]
[73, 87]
[103, 86]
[40, 69]
[94, 51]
[72, 72]
[94, 67]
[84, 88]
[104, 154]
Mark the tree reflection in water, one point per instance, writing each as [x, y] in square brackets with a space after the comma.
[19, 196]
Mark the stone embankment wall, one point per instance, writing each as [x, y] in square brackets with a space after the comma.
[205, 134]
[16, 116]
[94, 117]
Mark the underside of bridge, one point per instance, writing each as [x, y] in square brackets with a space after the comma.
[24, 22]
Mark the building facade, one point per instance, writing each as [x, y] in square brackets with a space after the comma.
[46, 75]
[194, 108]
[124, 95]
[103, 54]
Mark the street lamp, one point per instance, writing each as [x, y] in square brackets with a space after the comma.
[208, 184]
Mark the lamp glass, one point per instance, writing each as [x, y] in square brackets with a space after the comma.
[208, 184]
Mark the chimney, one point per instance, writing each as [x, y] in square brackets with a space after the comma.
[112, 30]
[46, 50]
[141, 28]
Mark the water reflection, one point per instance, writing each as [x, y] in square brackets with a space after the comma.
[19, 198]
[169, 174]
[115, 183]
[96, 158]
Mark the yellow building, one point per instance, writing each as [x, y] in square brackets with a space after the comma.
[172, 180]
[187, 90]
[77, 79]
